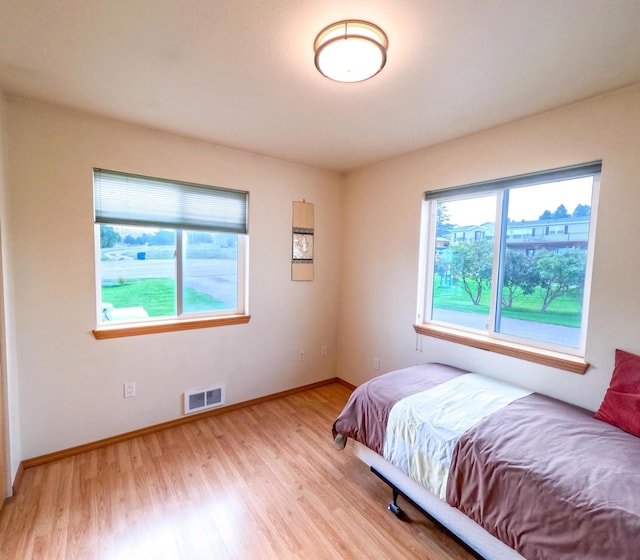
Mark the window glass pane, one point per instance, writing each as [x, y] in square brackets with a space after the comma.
[463, 261]
[137, 273]
[538, 292]
[544, 263]
[210, 271]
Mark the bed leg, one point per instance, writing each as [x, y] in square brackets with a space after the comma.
[395, 509]
[393, 505]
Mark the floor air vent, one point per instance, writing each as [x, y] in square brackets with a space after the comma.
[202, 399]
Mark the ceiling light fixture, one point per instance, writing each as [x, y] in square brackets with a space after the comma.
[350, 50]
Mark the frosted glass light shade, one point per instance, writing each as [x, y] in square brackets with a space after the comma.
[350, 50]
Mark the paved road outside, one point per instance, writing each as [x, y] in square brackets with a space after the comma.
[557, 334]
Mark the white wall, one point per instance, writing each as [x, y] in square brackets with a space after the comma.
[361, 305]
[380, 252]
[70, 383]
[10, 439]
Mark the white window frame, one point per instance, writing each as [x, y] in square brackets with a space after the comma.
[526, 348]
[182, 320]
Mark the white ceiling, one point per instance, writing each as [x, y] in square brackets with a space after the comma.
[240, 73]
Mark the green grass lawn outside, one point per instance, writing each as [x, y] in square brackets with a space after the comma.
[565, 310]
[157, 296]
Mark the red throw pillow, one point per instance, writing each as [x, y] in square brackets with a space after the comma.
[621, 404]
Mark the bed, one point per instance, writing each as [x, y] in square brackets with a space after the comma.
[526, 476]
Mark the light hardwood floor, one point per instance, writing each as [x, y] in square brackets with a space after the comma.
[260, 482]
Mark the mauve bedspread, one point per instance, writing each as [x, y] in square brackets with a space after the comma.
[543, 476]
[365, 415]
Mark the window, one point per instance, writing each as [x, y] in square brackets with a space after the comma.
[168, 251]
[526, 280]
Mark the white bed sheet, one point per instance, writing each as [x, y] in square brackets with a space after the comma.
[423, 429]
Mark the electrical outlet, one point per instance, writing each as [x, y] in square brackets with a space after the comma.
[301, 356]
[129, 389]
[376, 363]
[323, 351]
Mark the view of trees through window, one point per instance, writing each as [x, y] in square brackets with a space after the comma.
[141, 274]
[542, 254]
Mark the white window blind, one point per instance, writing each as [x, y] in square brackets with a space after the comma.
[529, 179]
[145, 201]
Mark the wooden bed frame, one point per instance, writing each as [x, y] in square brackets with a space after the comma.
[478, 542]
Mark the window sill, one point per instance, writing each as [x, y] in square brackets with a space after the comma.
[135, 329]
[566, 362]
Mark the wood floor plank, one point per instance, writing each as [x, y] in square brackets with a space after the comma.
[262, 482]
